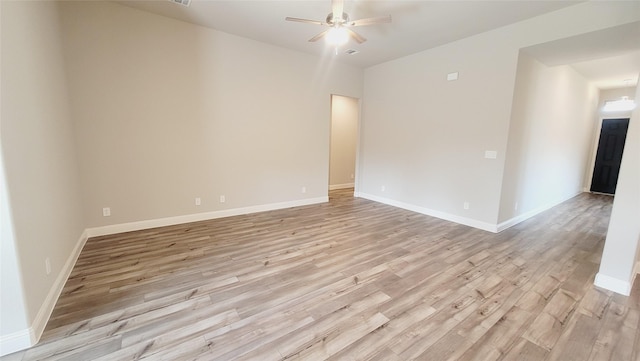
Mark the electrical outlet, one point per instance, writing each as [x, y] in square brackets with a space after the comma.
[304, 190]
[465, 205]
[383, 188]
[198, 201]
[352, 176]
[47, 265]
[106, 212]
[223, 199]
[515, 207]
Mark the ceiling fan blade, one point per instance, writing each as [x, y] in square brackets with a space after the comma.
[357, 37]
[319, 36]
[337, 8]
[370, 21]
[307, 21]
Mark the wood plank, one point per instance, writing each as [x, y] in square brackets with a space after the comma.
[618, 334]
[347, 280]
[524, 350]
[581, 331]
[549, 325]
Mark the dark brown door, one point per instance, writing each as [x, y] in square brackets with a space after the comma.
[609, 155]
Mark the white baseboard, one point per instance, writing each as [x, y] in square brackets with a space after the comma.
[430, 212]
[333, 187]
[524, 216]
[613, 284]
[170, 221]
[16, 341]
[42, 317]
[24, 339]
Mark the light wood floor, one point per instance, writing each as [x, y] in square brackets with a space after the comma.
[351, 279]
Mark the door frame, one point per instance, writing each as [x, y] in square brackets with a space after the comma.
[356, 171]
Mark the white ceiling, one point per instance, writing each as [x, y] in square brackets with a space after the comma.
[607, 57]
[599, 71]
[416, 26]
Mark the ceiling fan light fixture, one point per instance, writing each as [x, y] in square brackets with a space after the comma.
[182, 2]
[337, 36]
[339, 25]
[621, 105]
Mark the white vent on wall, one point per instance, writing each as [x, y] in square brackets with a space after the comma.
[181, 2]
[351, 51]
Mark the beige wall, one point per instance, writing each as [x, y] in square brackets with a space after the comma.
[124, 109]
[39, 159]
[344, 138]
[424, 138]
[167, 111]
[550, 137]
[163, 112]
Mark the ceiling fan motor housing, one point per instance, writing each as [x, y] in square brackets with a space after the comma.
[331, 21]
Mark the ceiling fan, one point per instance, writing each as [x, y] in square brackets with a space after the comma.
[339, 25]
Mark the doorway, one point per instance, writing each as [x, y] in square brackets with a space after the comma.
[344, 139]
[613, 135]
